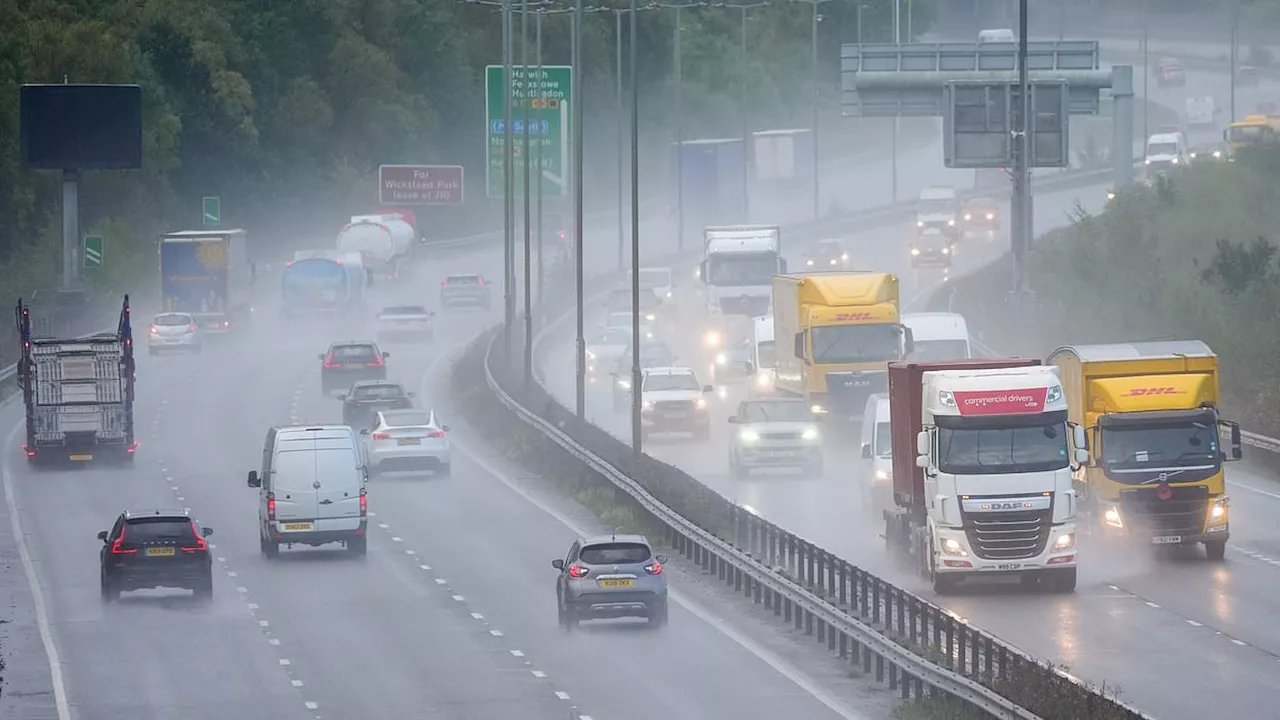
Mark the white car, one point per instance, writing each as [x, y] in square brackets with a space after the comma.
[409, 322]
[173, 331]
[625, 320]
[877, 455]
[659, 280]
[672, 400]
[605, 347]
[775, 432]
[409, 440]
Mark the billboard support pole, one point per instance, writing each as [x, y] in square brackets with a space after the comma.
[70, 230]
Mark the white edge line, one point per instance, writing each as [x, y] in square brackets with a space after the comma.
[37, 595]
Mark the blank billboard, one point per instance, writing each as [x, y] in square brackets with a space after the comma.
[81, 127]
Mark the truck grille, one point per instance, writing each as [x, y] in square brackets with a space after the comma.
[1183, 513]
[1013, 535]
[745, 305]
[847, 392]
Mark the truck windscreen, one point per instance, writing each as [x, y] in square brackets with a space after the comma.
[1008, 444]
[930, 350]
[1242, 133]
[1136, 450]
[732, 270]
[835, 344]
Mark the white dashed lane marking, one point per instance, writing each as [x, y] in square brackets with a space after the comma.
[1123, 593]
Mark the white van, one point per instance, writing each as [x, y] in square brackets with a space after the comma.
[877, 455]
[938, 336]
[311, 489]
[997, 35]
[763, 360]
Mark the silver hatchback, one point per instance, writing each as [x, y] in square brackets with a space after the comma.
[173, 331]
[611, 576]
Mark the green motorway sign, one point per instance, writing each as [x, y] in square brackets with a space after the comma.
[93, 251]
[547, 93]
[212, 211]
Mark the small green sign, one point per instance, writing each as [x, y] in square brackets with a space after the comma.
[93, 251]
[212, 211]
[547, 94]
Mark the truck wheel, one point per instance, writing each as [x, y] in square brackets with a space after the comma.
[1062, 581]
[1216, 550]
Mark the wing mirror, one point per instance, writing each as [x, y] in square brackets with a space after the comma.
[749, 368]
[206, 531]
[386, 355]
[410, 394]
[733, 419]
[254, 480]
[557, 564]
[1081, 456]
[661, 558]
[342, 397]
[364, 431]
[922, 442]
[320, 357]
[1237, 451]
[866, 451]
[102, 536]
[708, 388]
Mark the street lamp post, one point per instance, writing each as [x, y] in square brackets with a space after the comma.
[636, 395]
[508, 216]
[617, 17]
[525, 195]
[580, 394]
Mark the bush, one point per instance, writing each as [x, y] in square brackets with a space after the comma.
[1191, 257]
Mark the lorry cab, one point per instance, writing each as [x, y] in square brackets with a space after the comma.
[938, 336]
[938, 208]
[1165, 151]
[877, 455]
[738, 263]
[1151, 411]
[1252, 129]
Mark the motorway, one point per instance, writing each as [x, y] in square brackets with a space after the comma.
[1180, 638]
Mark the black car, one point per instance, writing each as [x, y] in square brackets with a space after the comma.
[347, 362]
[155, 548]
[366, 398]
[465, 290]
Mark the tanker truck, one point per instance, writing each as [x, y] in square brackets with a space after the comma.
[318, 282]
[384, 242]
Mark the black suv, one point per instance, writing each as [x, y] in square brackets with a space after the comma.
[347, 362]
[361, 404]
[155, 548]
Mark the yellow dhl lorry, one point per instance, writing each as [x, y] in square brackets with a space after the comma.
[1155, 470]
[1252, 129]
[840, 330]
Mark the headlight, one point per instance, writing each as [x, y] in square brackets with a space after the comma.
[721, 359]
[650, 318]
[1065, 541]
[818, 410]
[668, 293]
[844, 256]
[882, 475]
[711, 338]
[946, 251]
[834, 261]
[919, 223]
[700, 403]
[648, 336]
[1217, 153]
[810, 433]
[951, 223]
[953, 547]
[764, 379]
[915, 251]
[967, 216]
[624, 384]
[1147, 161]
[1175, 160]
[1112, 517]
[1053, 395]
[808, 263]
[991, 216]
[590, 355]
[646, 404]
[1218, 513]
[748, 435]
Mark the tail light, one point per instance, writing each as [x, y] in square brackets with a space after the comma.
[436, 434]
[201, 545]
[577, 571]
[444, 283]
[271, 507]
[480, 280]
[377, 362]
[191, 328]
[653, 568]
[382, 436]
[364, 503]
[117, 547]
[329, 363]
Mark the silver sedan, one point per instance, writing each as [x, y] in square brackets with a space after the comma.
[174, 331]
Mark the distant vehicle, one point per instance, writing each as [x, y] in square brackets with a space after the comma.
[611, 576]
[938, 336]
[408, 440]
[653, 353]
[732, 362]
[659, 280]
[605, 347]
[932, 248]
[1165, 151]
[385, 241]
[827, 255]
[877, 451]
[207, 274]
[1169, 73]
[763, 351]
[366, 398]
[1209, 152]
[148, 549]
[347, 362]
[465, 290]
[173, 331]
[624, 320]
[938, 208]
[672, 401]
[311, 490]
[1201, 112]
[323, 281]
[409, 322]
[980, 217]
[1248, 75]
[650, 304]
[1004, 35]
[775, 432]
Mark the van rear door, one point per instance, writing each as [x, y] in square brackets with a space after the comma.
[293, 480]
[340, 478]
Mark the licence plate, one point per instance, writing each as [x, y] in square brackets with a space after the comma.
[298, 526]
[616, 583]
[1009, 566]
[160, 552]
[1166, 540]
[780, 453]
[81, 458]
[675, 415]
[409, 441]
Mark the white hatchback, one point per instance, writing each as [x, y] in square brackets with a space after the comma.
[409, 440]
[173, 331]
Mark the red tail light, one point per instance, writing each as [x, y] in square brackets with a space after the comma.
[480, 280]
[364, 503]
[191, 328]
[201, 545]
[436, 434]
[444, 283]
[577, 571]
[117, 546]
[653, 568]
[375, 363]
[329, 363]
[382, 436]
[271, 507]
